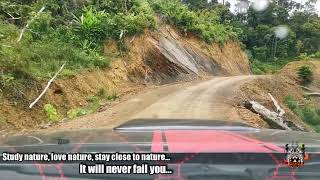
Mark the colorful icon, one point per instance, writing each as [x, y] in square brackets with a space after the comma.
[295, 155]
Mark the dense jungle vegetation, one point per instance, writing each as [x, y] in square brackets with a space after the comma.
[74, 31]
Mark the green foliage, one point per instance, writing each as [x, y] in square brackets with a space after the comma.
[89, 28]
[15, 9]
[259, 35]
[7, 32]
[92, 99]
[98, 24]
[113, 97]
[74, 31]
[7, 80]
[316, 55]
[94, 103]
[200, 4]
[311, 116]
[293, 105]
[304, 57]
[51, 112]
[78, 112]
[93, 106]
[260, 53]
[262, 67]
[41, 26]
[3, 121]
[103, 95]
[75, 36]
[307, 113]
[115, 6]
[44, 58]
[305, 74]
[205, 23]
[317, 128]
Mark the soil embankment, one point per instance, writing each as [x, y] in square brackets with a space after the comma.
[281, 85]
[155, 58]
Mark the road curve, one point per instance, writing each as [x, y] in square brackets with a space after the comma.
[207, 100]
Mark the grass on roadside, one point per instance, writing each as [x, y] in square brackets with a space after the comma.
[308, 113]
[94, 103]
[3, 121]
[269, 67]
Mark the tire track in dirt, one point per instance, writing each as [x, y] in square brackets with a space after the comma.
[205, 100]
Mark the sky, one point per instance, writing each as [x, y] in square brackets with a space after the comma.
[233, 2]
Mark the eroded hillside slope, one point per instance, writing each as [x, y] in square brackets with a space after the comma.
[154, 58]
[287, 90]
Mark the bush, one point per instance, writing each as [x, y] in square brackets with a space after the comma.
[98, 24]
[90, 27]
[305, 74]
[115, 6]
[7, 80]
[51, 112]
[42, 58]
[206, 24]
[75, 37]
[304, 57]
[7, 32]
[74, 113]
[41, 26]
[16, 9]
[316, 55]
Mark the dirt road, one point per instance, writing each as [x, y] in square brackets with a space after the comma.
[211, 99]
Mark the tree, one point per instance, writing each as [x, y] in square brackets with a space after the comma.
[200, 4]
[242, 6]
[310, 6]
[224, 13]
[307, 28]
[259, 28]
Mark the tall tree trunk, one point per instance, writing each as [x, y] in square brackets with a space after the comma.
[275, 48]
[125, 6]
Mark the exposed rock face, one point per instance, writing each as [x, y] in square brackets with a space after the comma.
[165, 56]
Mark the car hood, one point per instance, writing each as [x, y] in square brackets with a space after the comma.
[173, 136]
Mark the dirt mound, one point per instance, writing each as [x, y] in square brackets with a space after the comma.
[290, 70]
[154, 58]
[281, 85]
